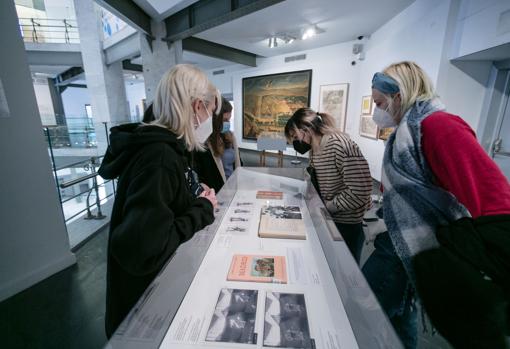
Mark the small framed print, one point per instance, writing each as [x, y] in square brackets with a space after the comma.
[384, 133]
[333, 100]
[367, 127]
[366, 105]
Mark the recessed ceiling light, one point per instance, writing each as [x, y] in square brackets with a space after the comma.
[311, 32]
[272, 42]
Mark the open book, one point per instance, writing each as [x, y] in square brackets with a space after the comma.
[282, 222]
[258, 269]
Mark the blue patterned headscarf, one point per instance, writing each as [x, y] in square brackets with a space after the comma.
[385, 84]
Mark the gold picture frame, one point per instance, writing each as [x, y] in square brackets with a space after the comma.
[384, 133]
[366, 105]
[270, 100]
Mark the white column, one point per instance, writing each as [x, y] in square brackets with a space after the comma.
[104, 82]
[157, 57]
[33, 237]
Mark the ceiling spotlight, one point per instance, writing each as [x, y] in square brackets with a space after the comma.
[272, 42]
[311, 32]
[289, 39]
[308, 33]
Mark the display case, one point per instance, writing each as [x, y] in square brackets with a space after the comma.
[228, 287]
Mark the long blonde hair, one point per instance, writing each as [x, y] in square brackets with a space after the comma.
[177, 90]
[413, 82]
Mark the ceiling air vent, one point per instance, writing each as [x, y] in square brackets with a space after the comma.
[218, 72]
[295, 58]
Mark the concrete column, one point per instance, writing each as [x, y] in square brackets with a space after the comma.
[157, 57]
[33, 237]
[104, 82]
[58, 105]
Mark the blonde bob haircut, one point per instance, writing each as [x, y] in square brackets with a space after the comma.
[177, 90]
[415, 85]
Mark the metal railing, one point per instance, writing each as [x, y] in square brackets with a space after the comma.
[77, 133]
[89, 165]
[78, 181]
[48, 30]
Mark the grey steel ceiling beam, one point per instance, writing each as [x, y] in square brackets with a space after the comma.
[127, 65]
[206, 14]
[124, 49]
[212, 49]
[129, 12]
[68, 75]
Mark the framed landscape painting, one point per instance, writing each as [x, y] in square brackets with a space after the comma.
[333, 100]
[367, 127]
[270, 100]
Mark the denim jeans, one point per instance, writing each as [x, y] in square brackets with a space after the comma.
[354, 237]
[388, 280]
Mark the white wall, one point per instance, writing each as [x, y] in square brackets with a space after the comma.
[33, 237]
[135, 92]
[416, 34]
[482, 24]
[74, 100]
[461, 85]
[44, 103]
[59, 9]
[330, 65]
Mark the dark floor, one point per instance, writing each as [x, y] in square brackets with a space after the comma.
[63, 311]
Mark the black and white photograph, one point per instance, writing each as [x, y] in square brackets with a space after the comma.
[286, 321]
[285, 212]
[234, 317]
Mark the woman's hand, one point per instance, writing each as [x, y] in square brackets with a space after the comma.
[205, 186]
[211, 196]
[330, 205]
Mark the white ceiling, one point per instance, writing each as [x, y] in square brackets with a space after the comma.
[49, 71]
[342, 20]
[160, 9]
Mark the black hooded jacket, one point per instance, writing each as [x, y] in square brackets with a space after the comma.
[154, 211]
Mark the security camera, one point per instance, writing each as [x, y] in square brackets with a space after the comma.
[360, 37]
[353, 63]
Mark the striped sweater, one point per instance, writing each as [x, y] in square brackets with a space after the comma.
[343, 176]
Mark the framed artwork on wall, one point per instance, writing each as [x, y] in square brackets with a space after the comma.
[366, 105]
[367, 127]
[270, 100]
[333, 100]
[384, 133]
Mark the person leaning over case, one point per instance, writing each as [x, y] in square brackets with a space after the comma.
[447, 209]
[159, 204]
[342, 172]
[215, 165]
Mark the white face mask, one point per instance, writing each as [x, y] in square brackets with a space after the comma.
[383, 119]
[204, 130]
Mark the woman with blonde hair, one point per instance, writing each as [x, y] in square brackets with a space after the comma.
[159, 203]
[447, 209]
[342, 173]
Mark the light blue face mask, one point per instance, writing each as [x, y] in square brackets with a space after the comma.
[226, 127]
